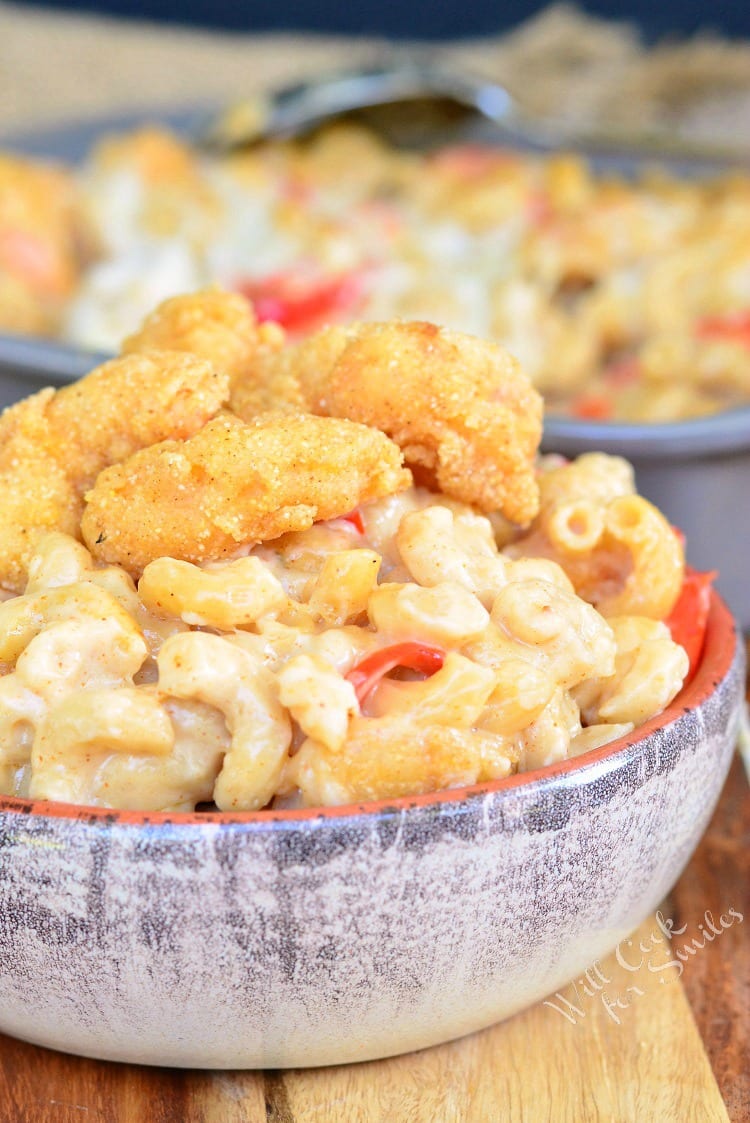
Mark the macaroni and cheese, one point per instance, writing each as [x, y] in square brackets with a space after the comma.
[378, 637]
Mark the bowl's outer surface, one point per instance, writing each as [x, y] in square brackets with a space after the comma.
[295, 940]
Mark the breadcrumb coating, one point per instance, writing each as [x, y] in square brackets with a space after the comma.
[235, 484]
[217, 325]
[54, 444]
[461, 408]
[270, 383]
[44, 244]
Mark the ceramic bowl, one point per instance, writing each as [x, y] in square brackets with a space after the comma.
[696, 472]
[309, 938]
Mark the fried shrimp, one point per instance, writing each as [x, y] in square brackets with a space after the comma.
[214, 324]
[93, 422]
[54, 444]
[460, 408]
[235, 484]
[36, 490]
[44, 244]
[269, 384]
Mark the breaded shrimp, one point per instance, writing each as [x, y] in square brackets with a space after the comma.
[35, 487]
[54, 444]
[217, 325]
[235, 484]
[131, 402]
[459, 407]
[43, 242]
[269, 383]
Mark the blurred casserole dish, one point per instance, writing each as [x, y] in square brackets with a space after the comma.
[623, 289]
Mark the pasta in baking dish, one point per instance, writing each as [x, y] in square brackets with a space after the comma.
[623, 298]
[300, 615]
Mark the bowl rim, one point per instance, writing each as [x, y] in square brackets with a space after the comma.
[722, 639]
[718, 433]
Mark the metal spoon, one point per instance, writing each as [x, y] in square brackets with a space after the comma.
[426, 94]
[412, 101]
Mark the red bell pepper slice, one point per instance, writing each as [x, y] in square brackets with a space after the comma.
[29, 257]
[592, 407]
[415, 656]
[470, 161]
[732, 326]
[355, 518]
[301, 302]
[687, 620]
[539, 209]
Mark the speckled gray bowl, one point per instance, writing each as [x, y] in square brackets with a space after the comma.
[697, 472]
[288, 939]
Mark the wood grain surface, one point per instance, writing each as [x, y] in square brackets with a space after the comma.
[717, 982]
[620, 1045]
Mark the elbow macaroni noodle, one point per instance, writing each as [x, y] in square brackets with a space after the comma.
[229, 683]
[619, 551]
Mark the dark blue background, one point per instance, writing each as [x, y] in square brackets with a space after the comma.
[438, 19]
